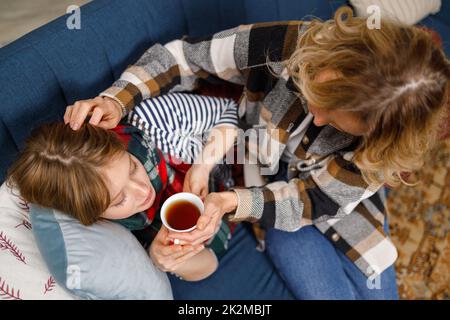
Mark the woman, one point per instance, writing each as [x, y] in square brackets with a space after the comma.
[346, 108]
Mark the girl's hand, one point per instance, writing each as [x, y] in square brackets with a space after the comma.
[168, 257]
[105, 113]
[216, 205]
[196, 180]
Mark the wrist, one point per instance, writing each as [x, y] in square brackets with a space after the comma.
[122, 110]
[229, 201]
[204, 166]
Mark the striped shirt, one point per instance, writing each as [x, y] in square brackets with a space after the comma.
[179, 123]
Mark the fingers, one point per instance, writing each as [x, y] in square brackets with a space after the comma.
[204, 192]
[200, 189]
[206, 224]
[189, 255]
[104, 114]
[196, 181]
[206, 234]
[201, 240]
[169, 250]
[195, 190]
[172, 265]
[187, 184]
[108, 124]
[96, 116]
[68, 114]
[162, 235]
[183, 252]
[203, 221]
[193, 236]
[191, 186]
[175, 256]
[185, 237]
[178, 241]
[80, 112]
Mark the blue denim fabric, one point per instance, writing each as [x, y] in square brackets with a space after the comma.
[313, 268]
[243, 274]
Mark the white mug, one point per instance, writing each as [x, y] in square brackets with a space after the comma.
[186, 196]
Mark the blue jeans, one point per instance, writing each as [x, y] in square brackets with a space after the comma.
[243, 274]
[313, 268]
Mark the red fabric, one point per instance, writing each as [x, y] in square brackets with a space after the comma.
[119, 129]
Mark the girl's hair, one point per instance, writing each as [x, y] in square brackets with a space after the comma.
[395, 78]
[60, 168]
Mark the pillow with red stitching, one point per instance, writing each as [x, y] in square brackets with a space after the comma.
[23, 272]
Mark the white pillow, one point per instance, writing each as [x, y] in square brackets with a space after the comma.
[405, 11]
[23, 272]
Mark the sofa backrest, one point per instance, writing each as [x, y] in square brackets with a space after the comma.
[53, 66]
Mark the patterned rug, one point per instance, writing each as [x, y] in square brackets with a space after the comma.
[419, 224]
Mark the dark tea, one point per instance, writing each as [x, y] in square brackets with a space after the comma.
[182, 215]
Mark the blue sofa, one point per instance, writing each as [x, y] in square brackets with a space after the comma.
[51, 67]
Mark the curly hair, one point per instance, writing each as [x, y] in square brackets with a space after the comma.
[394, 78]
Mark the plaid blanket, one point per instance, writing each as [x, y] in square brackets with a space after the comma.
[166, 174]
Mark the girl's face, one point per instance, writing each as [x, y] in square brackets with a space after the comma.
[342, 120]
[129, 187]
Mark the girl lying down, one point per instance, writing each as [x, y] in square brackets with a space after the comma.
[126, 173]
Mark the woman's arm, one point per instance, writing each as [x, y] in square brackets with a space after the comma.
[331, 192]
[239, 55]
[228, 55]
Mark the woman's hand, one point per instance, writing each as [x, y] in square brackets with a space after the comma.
[105, 113]
[216, 205]
[220, 140]
[196, 180]
[168, 257]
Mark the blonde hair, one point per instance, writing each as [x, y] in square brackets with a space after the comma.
[395, 78]
[59, 168]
